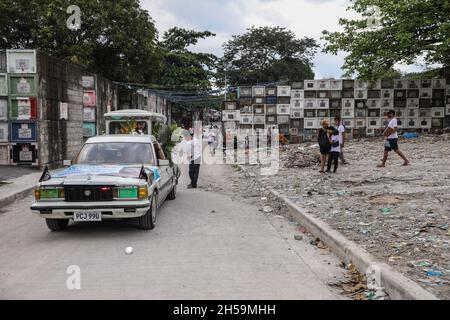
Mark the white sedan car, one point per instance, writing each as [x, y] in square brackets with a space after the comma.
[113, 177]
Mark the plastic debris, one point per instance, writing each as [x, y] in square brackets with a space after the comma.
[420, 264]
[434, 273]
[129, 251]
[267, 209]
[411, 135]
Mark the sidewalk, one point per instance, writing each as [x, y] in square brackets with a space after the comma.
[17, 183]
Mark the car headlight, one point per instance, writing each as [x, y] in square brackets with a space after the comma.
[143, 193]
[49, 193]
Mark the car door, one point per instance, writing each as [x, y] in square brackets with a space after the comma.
[165, 171]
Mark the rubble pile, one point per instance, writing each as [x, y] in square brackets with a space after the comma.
[299, 157]
[399, 214]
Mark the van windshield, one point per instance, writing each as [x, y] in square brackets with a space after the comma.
[125, 153]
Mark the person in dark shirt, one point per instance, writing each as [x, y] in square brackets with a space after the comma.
[324, 144]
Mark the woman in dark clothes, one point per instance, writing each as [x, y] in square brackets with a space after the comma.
[324, 144]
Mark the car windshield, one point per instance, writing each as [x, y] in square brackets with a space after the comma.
[127, 153]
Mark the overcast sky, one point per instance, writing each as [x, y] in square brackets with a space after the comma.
[230, 17]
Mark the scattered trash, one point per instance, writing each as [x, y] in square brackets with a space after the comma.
[129, 250]
[363, 224]
[267, 209]
[318, 243]
[411, 135]
[420, 264]
[394, 259]
[298, 237]
[401, 245]
[356, 286]
[415, 224]
[443, 227]
[434, 273]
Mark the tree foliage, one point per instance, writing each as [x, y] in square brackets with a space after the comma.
[183, 67]
[117, 38]
[267, 54]
[408, 30]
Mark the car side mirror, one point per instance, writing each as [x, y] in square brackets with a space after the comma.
[163, 163]
[67, 163]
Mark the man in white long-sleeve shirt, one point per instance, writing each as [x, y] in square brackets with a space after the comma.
[193, 148]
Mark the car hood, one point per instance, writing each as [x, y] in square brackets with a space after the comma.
[113, 175]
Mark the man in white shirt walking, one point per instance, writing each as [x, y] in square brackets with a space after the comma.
[193, 148]
[391, 143]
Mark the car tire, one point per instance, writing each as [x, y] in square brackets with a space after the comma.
[57, 224]
[173, 194]
[148, 221]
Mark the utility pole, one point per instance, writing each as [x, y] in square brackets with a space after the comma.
[226, 87]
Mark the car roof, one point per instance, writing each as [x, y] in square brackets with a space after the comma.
[122, 138]
[130, 113]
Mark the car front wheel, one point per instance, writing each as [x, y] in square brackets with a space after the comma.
[148, 221]
[57, 224]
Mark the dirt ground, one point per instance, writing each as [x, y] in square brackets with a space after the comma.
[399, 214]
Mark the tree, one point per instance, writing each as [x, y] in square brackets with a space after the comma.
[182, 67]
[408, 30]
[117, 38]
[267, 54]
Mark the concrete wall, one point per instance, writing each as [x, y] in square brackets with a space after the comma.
[107, 100]
[160, 104]
[61, 82]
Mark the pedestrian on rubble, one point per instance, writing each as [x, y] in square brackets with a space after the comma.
[391, 144]
[324, 143]
[342, 139]
[335, 151]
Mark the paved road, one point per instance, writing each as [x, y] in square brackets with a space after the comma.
[10, 172]
[206, 246]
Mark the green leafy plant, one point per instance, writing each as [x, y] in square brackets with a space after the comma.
[167, 137]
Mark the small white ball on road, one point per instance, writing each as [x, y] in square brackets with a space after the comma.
[129, 250]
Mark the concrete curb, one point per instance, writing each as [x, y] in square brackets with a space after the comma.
[19, 189]
[396, 284]
[6, 201]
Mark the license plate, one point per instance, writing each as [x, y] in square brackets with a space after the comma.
[87, 216]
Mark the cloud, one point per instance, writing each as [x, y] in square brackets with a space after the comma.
[230, 17]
